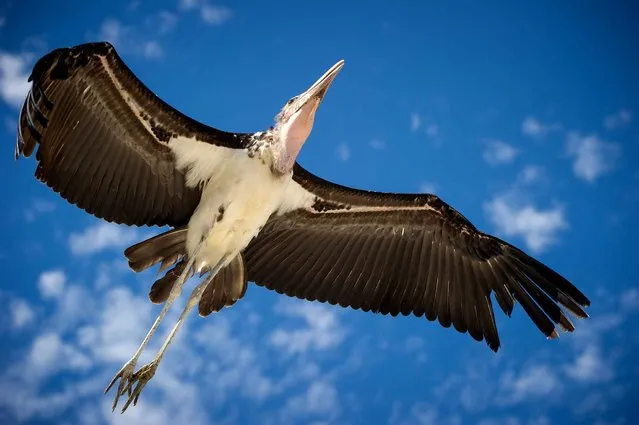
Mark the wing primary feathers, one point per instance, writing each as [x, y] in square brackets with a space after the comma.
[86, 111]
[39, 116]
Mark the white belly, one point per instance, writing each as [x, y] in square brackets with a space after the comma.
[235, 205]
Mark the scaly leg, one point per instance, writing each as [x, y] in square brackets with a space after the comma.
[146, 372]
[126, 373]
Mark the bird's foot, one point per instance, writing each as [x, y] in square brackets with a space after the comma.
[124, 375]
[139, 379]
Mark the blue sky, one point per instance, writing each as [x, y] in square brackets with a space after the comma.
[522, 115]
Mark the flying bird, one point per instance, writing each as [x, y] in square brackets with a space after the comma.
[242, 209]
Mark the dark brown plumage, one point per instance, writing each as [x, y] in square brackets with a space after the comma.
[103, 138]
[405, 254]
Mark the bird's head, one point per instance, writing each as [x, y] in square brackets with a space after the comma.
[294, 123]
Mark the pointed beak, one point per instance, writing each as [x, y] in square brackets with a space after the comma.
[318, 90]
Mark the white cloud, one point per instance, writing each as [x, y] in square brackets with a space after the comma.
[152, 50]
[537, 381]
[432, 130]
[167, 21]
[538, 227]
[532, 127]
[599, 325]
[51, 283]
[100, 237]
[38, 207]
[531, 174]
[211, 14]
[343, 152]
[377, 144]
[130, 40]
[618, 119]
[427, 187]
[14, 71]
[21, 314]
[189, 4]
[322, 331]
[497, 152]
[413, 343]
[112, 30]
[49, 355]
[118, 328]
[592, 157]
[630, 299]
[420, 413]
[590, 366]
[415, 122]
[320, 397]
[215, 15]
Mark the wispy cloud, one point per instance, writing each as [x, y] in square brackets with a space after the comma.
[320, 397]
[211, 14]
[343, 152]
[532, 127]
[630, 299]
[21, 314]
[131, 39]
[215, 15]
[100, 237]
[513, 216]
[618, 119]
[152, 50]
[377, 144]
[592, 157]
[432, 130]
[590, 366]
[49, 355]
[427, 187]
[112, 30]
[322, 330]
[497, 152]
[536, 381]
[166, 21]
[14, 71]
[531, 174]
[37, 208]
[420, 413]
[51, 283]
[415, 122]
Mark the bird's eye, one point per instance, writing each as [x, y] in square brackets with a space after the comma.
[291, 100]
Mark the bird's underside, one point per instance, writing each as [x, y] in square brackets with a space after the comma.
[107, 144]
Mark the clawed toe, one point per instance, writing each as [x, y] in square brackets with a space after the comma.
[139, 379]
[124, 375]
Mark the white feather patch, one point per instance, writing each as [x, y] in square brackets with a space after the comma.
[202, 161]
[295, 197]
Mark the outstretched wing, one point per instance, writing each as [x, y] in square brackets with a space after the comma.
[402, 253]
[106, 143]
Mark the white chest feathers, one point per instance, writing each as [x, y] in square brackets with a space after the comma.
[239, 196]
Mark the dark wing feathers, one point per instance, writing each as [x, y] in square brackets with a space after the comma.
[103, 138]
[404, 254]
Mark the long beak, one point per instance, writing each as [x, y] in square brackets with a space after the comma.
[318, 90]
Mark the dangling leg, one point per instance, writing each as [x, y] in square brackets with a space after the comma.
[146, 372]
[126, 373]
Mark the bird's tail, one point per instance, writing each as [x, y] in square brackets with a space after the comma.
[169, 248]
